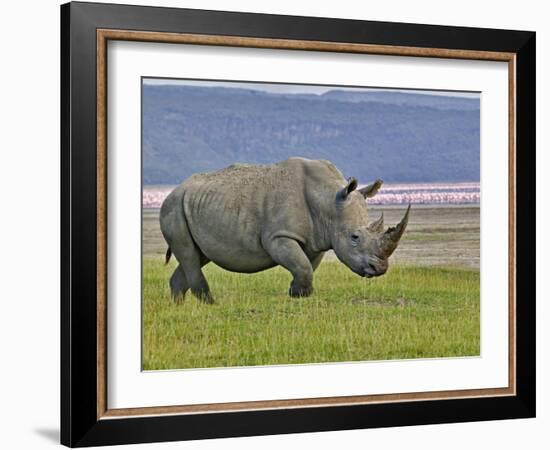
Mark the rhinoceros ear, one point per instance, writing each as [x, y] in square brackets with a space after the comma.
[372, 189]
[347, 189]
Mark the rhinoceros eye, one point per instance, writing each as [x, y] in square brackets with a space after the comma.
[355, 238]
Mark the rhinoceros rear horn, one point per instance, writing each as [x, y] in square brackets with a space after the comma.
[378, 225]
[391, 237]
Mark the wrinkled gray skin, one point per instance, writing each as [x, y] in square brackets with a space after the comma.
[248, 218]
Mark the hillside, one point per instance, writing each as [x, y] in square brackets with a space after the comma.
[400, 137]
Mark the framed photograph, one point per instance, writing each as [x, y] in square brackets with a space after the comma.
[277, 224]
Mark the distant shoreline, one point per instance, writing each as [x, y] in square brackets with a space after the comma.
[391, 195]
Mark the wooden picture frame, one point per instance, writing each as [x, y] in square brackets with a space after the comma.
[86, 418]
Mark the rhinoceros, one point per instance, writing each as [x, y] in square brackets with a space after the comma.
[247, 218]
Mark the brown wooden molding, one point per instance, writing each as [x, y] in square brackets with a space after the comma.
[239, 41]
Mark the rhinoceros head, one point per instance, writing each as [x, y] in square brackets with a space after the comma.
[363, 247]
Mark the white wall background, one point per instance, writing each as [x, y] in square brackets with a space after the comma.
[29, 237]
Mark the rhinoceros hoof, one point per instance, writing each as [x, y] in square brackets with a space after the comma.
[178, 298]
[300, 291]
[206, 298]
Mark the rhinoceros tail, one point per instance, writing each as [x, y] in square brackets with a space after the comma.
[168, 254]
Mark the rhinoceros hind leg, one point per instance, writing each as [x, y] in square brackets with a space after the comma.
[178, 284]
[288, 253]
[202, 290]
[194, 277]
[190, 257]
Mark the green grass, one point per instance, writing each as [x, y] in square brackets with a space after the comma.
[411, 312]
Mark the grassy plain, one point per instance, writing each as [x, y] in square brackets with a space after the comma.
[427, 305]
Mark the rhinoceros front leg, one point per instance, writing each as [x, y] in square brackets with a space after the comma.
[316, 260]
[288, 253]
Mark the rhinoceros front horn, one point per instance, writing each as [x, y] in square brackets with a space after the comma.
[390, 239]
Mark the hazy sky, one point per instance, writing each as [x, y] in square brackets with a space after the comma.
[296, 88]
